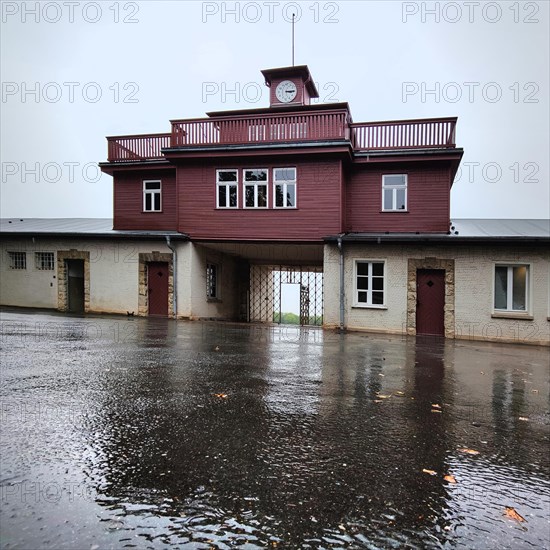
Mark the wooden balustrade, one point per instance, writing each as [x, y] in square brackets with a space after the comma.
[404, 134]
[136, 148]
[278, 128]
[260, 129]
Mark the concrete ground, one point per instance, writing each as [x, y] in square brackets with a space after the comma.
[146, 433]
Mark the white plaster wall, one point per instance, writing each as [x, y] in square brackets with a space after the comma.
[31, 287]
[474, 274]
[227, 305]
[184, 252]
[113, 273]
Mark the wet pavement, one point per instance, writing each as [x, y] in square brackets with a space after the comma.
[149, 433]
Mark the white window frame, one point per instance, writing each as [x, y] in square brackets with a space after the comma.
[46, 259]
[18, 260]
[227, 185]
[509, 288]
[152, 193]
[216, 295]
[255, 184]
[285, 183]
[368, 303]
[394, 189]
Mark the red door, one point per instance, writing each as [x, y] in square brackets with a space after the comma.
[430, 301]
[157, 279]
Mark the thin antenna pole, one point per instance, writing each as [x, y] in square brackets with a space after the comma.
[293, 15]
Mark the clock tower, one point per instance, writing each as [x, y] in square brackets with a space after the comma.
[290, 86]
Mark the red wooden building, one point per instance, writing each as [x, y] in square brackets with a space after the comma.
[292, 173]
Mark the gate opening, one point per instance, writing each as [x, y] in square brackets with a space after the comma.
[286, 294]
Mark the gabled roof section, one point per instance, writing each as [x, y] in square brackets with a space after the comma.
[500, 228]
[496, 231]
[76, 227]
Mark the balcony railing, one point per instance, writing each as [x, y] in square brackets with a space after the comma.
[252, 129]
[291, 128]
[137, 148]
[404, 134]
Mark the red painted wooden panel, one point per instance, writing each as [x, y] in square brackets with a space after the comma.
[157, 288]
[428, 199]
[318, 197]
[430, 302]
[128, 201]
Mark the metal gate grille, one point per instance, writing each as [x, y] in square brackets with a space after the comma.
[266, 283]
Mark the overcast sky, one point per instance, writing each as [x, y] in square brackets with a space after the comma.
[73, 73]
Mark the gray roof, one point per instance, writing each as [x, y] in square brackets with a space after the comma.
[465, 231]
[501, 228]
[83, 227]
[461, 229]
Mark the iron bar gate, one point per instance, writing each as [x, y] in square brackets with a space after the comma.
[266, 294]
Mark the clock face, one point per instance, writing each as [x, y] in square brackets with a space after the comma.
[286, 91]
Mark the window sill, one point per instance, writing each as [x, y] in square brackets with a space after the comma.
[361, 306]
[394, 211]
[512, 315]
[214, 300]
[151, 211]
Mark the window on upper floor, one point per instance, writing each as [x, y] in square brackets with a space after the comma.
[369, 283]
[511, 292]
[227, 188]
[212, 289]
[152, 196]
[284, 181]
[18, 260]
[394, 192]
[255, 188]
[44, 261]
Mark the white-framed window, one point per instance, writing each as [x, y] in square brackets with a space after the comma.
[212, 281]
[255, 183]
[369, 283]
[152, 196]
[227, 182]
[18, 260]
[284, 183]
[394, 192]
[44, 261]
[511, 290]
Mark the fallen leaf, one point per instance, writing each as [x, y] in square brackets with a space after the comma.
[511, 513]
[469, 451]
[481, 372]
[524, 418]
[435, 406]
[383, 396]
[436, 411]
[400, 393]
[221, 395]
[431, 472]
[378, 400]
[380, 374]
[450, 478]
[534, 391]
[217, 348]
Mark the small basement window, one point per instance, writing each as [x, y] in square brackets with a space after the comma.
[44, 261]
[18, 260]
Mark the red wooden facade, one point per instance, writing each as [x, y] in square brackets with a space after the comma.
[339, 166]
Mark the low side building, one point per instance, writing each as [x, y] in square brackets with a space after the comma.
[485, 280]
